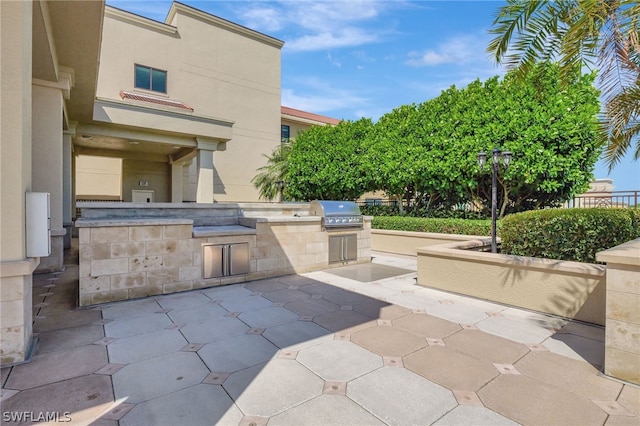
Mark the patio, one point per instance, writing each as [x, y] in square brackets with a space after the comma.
[360, 344]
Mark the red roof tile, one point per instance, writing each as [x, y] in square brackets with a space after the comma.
[308, 115]
[154, 100]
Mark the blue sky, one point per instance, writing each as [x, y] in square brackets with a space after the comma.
[361, 58]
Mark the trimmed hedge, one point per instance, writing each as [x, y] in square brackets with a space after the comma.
[568, 234]
[443, 226]
[441, 213]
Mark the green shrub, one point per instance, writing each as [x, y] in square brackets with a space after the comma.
[568, 234]
[443, 226]
[443, 213]
[386, 210]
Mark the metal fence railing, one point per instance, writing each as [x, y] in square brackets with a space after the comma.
[614, 199]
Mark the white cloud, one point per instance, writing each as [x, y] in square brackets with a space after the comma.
[456, 50]
[266, 18]
[317, 25]
[362, 56]
[320, 97]
[329, 40]
[333, 61]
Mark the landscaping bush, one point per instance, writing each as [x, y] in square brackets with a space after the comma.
[444, 213]
[568, 234]
[443, 226]
[387, 210]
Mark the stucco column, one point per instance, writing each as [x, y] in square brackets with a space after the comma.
[67, 183]
[622, 327]
[73, 186]
[47, 162]
[204, 187]
[176, 183]
[204, 160]
[15, 179]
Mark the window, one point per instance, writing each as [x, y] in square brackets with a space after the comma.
[285, 132]
[150, 79]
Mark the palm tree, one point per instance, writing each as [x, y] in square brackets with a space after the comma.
[271, 177]
[580, 34]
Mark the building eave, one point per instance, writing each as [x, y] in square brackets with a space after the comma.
[177, 7]
[141, 21]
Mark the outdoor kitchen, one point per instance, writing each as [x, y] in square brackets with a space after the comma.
[130, 250]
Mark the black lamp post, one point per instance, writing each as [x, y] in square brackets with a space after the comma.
[497, 157]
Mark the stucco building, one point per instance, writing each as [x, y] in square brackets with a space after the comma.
[186, 108]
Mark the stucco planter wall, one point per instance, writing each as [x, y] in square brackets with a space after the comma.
[458, 263]
[406, 242]
[568, 289]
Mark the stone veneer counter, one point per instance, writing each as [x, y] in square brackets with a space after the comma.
[131, 257]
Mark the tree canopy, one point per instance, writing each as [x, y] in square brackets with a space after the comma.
[428, 152]
[552, 132]
[327, 162]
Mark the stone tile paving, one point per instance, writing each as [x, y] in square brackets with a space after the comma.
[323, 348]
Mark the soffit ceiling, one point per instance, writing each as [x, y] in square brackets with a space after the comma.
[119, 144]
[77, 30]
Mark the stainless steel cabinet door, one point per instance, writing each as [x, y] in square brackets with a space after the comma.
[350, 251]
[212, 261]
[238, 258]
[335, 248]
[343, 248]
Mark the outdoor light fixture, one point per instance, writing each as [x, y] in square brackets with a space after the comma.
[482, 158]
[280, 184]
[497, 157]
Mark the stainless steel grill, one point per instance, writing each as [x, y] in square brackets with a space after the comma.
[337, 214]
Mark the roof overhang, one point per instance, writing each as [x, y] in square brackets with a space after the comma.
[161, 119]
[66, 40]
[178, 8]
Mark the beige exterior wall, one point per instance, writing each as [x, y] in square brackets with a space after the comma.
[15, 121]
[622, 332]
[407, 243]
[38, 45]
[295, 127]
[98, 178]
[47, 168]
[15, 179]
[156, 175]
[234, 76]
[568, 289]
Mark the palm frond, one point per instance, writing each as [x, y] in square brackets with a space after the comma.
[623, 120]
[580, 34]
[274, 171]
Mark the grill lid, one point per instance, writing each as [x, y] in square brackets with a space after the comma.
[325, 208]
[336, 214]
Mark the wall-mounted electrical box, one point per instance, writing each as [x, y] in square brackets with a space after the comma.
[38, 223]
